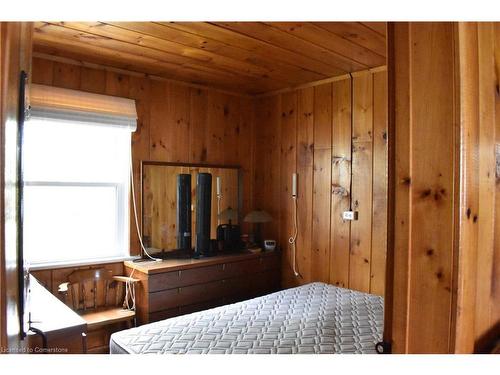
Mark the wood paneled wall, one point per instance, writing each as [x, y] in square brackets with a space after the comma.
[334, 137]
[176, 123]
[424, 128]
[443, 283]
[478, 265]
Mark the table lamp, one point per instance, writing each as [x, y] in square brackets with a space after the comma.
[258, 217]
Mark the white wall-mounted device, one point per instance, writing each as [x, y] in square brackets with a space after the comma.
[350, 215]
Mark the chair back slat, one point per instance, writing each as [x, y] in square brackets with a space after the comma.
[106, 288]
[82, 296]
[89, 288]
[74, 299]
[118, 293]
[95, 294]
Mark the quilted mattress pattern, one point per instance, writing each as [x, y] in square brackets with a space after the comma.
[313, 318]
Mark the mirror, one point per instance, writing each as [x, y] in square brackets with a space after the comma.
[159, 200]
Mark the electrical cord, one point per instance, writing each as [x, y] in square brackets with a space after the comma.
[139, 234]
[219, 197]
[293, 239]
[129, 288]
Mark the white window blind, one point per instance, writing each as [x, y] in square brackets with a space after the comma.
[76, 160]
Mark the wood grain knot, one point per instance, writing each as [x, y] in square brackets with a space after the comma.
[425, 193]
[439, 274]
[406, 181]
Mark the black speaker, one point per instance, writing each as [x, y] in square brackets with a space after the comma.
[184, 212]
[203, 213]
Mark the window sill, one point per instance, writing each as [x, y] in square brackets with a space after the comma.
[80, 263]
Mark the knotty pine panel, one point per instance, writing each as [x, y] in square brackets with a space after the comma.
[495, 285]
[362, 172]
[341, 183]
[380, 181]
[361, 229]
[267, 161]
[423, 108]
[475, 326]
[432, 185]
[483, 310]
[322, 175]
[396, 302]
[288, 162]
[320, 255]
[305, 154]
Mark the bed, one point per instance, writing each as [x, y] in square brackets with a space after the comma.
[313, 318]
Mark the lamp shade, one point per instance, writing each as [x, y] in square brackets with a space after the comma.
[258, 216]
[229, 214]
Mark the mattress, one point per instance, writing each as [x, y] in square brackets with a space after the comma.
[313, 318]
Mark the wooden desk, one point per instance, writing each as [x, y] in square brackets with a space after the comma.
[65, 329]
[181, 286]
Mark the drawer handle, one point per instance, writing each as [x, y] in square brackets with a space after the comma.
[224, 266]
[179, 273]
[179, 290]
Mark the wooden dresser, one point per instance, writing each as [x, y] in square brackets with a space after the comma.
[181, 286]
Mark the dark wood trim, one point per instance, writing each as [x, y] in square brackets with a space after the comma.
[391, 182]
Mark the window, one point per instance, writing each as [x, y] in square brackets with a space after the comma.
[76, 179]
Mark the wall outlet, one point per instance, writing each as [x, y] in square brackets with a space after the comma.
[350, 215]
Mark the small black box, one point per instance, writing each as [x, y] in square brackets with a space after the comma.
[229, 238]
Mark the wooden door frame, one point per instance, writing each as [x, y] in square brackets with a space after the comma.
[15, 55]
[391, 183]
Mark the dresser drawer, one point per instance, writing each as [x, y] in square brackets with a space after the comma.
[241, 268]
[201, 306]
[252, 266]
[269, 263]
[171, 298]
[163, 314]
[249, 286]
[176, 279]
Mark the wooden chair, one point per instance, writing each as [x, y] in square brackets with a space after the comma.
[88, 293]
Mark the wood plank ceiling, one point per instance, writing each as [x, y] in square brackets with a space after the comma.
[247, 57]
